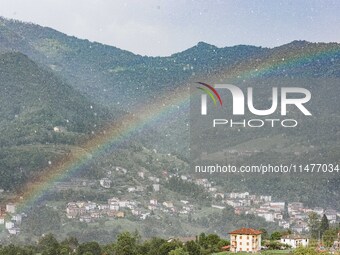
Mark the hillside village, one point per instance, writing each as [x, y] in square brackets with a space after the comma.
[292, 215]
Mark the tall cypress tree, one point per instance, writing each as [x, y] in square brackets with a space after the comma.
[324, 224]
[285, 212]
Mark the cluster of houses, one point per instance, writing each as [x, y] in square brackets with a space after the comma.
[273, 211]
[10, 219]
[87, 211]
[292, 216]
[243, 203]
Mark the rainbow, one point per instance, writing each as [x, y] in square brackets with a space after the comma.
[289, 59]
[113, 134]
[162, 108]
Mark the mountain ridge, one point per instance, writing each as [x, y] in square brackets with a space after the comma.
[119, 79]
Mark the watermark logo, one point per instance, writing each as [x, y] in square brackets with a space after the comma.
[239, 99]
[280, 99]
[208, 89]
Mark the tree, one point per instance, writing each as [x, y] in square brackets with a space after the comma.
[65, 250]
[275, 236]
[151, 247]
[285, 212]
[178, 251]
[212, 240]
[202, 240]
[108, 249]
[314, 224]
[91, 248]
[42, 220]
[193, 248]
[324, 225]
[274, 245]
[329, 236]
[48, 245]
[126, 244]
[305, 251]
[265, 234]
[165, 248]
[16, 250]
[222, 243]
[71, 242]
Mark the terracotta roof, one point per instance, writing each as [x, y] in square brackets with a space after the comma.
[246, 231]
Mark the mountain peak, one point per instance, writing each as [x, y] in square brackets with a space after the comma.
[297, 43]
[205, 45]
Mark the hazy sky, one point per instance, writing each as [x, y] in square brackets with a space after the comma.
[163, 27]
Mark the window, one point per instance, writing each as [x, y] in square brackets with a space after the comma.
[247, 237]
[240, 243]
[248, 243]
[240, 249]
[240, 237]
[247, 249]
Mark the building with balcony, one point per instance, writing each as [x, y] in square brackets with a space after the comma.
[245, 240]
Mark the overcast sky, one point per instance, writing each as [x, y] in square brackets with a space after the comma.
[163, 27]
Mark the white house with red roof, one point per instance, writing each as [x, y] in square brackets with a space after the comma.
[245, 239]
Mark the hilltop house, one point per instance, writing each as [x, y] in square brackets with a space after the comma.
[245, 239]
[295, 240]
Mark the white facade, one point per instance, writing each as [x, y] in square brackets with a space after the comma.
[277, 206]
[14, 231]
[269, 217]
[284, 224]
[266, 198]
[319, 211]
[331, 216]
[168, 204]
[154, 179]
[10, 208]
[239, 195]
[9, 225]
[17, 218]
[90, 206]
[153, 202]
[141, 174]
[156, 187]
[114, 207]
[295, 241]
